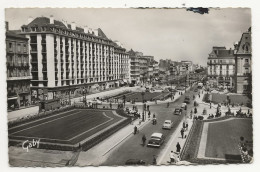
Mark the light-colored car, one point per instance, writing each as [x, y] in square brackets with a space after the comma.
[156, 140]
[183, 105]
[167, 124]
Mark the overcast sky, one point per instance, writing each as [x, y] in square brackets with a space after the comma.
[174, 34]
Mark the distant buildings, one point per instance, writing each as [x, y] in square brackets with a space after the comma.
[243, 58]
[66, 59]
[18, 70]
[221, 67]
[232, 68]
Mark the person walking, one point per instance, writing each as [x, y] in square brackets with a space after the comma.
[182, 133]
[135, 130]
[148, 108]
[171, 157]
[178, 148]
[149, 114]
[143, 140]
[168, 104]
[187, 126]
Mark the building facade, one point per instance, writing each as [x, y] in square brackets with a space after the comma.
[134, 66]
[243, 60]
[18, 70]
[144, 65]
[221, 67]
[66, 59]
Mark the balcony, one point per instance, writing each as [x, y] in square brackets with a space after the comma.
[19, 78]
[33, 51]
[43, 41]
[34, 61]
[44, 60]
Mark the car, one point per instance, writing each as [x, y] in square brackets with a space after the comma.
[167, 124]
[178, 111]
[156, 140]
[187, 99]
[135, 162]
[184, 105]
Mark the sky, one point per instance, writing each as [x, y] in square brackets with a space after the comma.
[174, 34]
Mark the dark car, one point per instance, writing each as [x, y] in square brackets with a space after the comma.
[135, 162]
[187, 99]
[177, 111]
[156, 140]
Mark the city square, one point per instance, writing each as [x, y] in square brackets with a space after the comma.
[77, 97]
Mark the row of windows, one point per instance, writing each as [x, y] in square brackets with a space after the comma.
[15, 47]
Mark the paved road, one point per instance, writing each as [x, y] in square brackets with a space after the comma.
[132, 147]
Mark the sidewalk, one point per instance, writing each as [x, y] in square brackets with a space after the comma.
[99, 153]
[34, 110]
[164, 156]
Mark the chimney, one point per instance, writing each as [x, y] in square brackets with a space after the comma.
[65, 23]
[90, 30]
[73, 26]
[85, 29]
[230, 51]
[95, 32]
[51, 19]
[6, 26]
[30, 19]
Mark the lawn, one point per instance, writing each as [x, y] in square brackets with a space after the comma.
[236, 99]
[68, 128]
[223, 138]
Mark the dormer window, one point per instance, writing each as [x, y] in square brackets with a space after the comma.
[34, 29]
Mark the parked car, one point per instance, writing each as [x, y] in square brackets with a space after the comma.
[187, 99]
[177, 111]
[184, 105]
[156, 140]
[135, 162]
[167, 124]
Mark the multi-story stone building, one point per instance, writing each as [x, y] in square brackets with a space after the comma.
[221, 67]
[134, 66]
[66, 59]
[18, 70]
[144, 64]
[243, 55]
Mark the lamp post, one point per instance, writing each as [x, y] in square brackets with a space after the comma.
[69, 94]
[85, 95]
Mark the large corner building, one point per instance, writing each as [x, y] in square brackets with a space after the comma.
[65, 59]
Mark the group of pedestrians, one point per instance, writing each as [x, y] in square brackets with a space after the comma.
[175, 156]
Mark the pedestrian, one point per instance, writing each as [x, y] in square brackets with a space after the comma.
[135, 130]
[143, 140]
[171, 157]
[178, 148]
[183, 125]
[168, 104]
[182, 133]
[210, 105]
[153, 115]
[187, 125]
[148, 108]
[149, 114]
